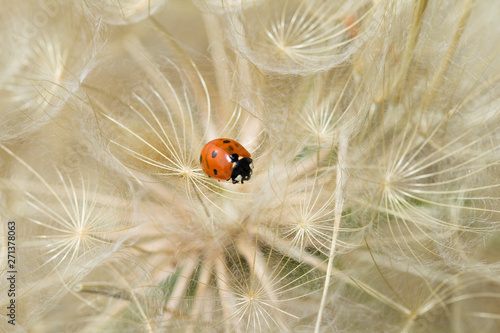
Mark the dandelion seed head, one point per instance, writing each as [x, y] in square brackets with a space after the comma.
[296, 37]
[372, 125]
[47, 73]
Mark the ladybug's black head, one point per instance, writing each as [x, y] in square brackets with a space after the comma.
[242, 170]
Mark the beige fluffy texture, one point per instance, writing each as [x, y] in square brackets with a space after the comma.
[374, 129]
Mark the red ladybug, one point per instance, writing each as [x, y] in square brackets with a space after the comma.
[225, 159]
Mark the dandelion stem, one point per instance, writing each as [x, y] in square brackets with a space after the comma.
[202, 203]
[201, 90]
[438, 77]
[339, 203]
[227, 297]
[219, 57]
[409, 48]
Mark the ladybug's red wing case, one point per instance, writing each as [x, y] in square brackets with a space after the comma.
[225, 159]
[215, 162]
[233, 147]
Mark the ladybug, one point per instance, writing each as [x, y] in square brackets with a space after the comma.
[225, 159]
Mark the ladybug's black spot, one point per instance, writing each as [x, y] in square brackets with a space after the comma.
[214, 153]
[215, 172]
[226, 141]
[201, 159]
